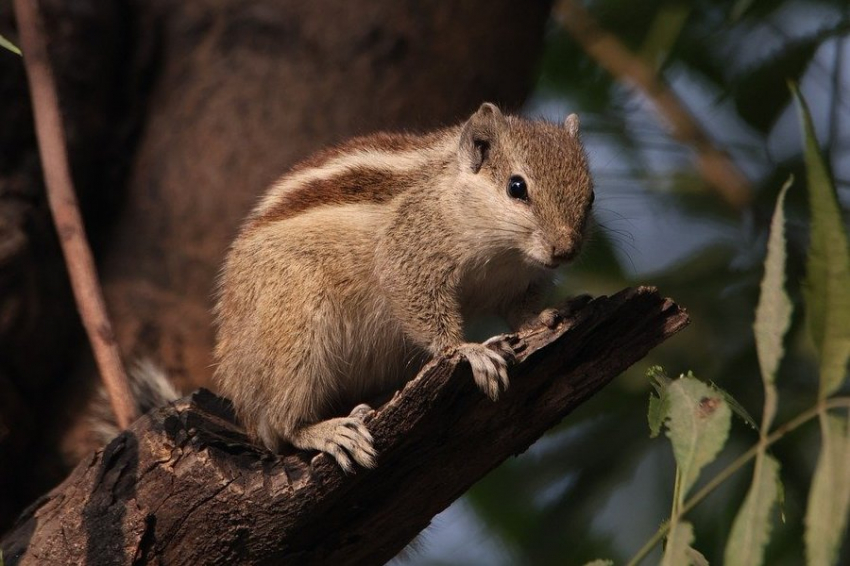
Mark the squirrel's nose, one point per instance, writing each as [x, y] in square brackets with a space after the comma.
[566, 244]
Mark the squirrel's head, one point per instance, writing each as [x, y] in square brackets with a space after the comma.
[528, 182]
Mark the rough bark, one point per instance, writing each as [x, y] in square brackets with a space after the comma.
[177, 115]
[182, 485]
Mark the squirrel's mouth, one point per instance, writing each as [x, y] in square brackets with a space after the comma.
[560, 257]
[547, 262]
[550, 256]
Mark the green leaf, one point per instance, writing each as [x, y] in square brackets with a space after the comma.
[14, 49]
[698, 423]
[751, 529]
[773, 313]
[829, 497]
[827, 286]
[679, 540]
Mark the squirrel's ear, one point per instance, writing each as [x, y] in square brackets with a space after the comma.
[478, 135]
[572, 125]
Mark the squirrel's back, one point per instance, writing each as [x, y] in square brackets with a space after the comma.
[369, 169]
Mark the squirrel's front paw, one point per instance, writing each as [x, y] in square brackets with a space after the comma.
[489, 368]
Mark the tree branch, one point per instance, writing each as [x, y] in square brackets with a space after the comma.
[66, 214]
[714, 165]
[183, 486]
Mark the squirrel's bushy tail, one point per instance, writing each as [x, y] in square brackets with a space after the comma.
[150, 387]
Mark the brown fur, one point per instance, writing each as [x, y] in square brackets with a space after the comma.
[365, 260]
[360, 184]
[387, 141]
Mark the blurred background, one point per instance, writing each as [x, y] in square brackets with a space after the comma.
[598, 486]
[180, 114]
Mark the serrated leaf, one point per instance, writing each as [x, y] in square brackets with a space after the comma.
[698, 425]
[773, 313]
[751, 528]
[679, 541]
[829, 497]
[827, 286]
[600, 563]
[9, 45]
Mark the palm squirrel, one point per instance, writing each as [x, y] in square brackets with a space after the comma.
[366, 259]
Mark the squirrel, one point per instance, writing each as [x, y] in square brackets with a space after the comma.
[365, 260]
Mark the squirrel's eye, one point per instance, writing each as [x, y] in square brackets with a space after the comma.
[592, 198]
[517, 188]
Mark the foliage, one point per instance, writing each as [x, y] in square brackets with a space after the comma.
[752, 526]
[828, 307]
[826, 516]
[728, 62]
[827, 269]
[698, 418]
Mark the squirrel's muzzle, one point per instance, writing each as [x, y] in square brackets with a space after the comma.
[566, 245]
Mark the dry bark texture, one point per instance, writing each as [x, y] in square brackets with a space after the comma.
[182, 485]
[178, 114]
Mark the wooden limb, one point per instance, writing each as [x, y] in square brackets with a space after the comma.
[183, 486]
[608, 51]
[66, 215]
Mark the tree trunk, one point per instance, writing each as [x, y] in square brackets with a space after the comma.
[183, 486]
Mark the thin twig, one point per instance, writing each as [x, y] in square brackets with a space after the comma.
[610, 53]
[66, 214]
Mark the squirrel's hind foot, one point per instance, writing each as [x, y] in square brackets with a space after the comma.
[344, 438]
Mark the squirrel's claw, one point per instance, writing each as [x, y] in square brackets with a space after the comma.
[489, 368]
[345, 439]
